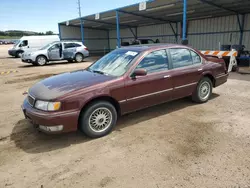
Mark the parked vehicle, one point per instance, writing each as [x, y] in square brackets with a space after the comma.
[28, 43]
[123, 81]
[57, 51]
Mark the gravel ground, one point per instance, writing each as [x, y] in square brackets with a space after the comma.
[177, 144]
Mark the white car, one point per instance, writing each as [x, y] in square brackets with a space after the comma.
[57, 51]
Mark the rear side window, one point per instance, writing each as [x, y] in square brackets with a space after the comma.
[69, 45]
[154, 62]
[180, 57]
[77, 45]
[196, 58]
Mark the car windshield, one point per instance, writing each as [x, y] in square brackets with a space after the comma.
[17, 43]
[115, 63]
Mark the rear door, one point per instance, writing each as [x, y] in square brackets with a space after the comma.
[69, 50]
[54, 52]
[186, 71]
[154, 88]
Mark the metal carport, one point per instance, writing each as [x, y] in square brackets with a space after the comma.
[208, 24]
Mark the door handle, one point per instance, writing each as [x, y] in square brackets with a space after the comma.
[167, 76]
[199, 70]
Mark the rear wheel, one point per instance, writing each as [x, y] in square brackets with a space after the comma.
[98, 119]
[41, 60]
[79, 57]
[203, 90]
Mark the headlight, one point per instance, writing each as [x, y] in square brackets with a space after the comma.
[47, 106]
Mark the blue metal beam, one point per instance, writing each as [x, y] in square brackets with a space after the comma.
[103, 22]
[184, 22]
[218, 6]
[152, 18]
[144, 16]
[118, 30]
[133, 33]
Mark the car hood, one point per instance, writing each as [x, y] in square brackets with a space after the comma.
[59, 85]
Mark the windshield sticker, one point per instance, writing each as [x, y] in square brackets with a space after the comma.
[131, 53]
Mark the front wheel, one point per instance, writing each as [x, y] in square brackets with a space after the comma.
[203, 90]
[19, 54]
[41, 60]
[98, 119]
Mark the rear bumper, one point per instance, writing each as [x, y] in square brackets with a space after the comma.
[45, 121]
[221, 79]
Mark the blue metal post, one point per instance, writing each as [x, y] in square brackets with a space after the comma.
[81, 22]
[118, 30]
[82, 31]
[184, 22]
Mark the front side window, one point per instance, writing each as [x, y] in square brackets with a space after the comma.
[24, 43]
[196, 58]
[55, 47]
[154, 62]
[180, 57]
[115, 63]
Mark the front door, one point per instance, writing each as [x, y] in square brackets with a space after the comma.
[186, 72]
[55, 51]
[154, 88]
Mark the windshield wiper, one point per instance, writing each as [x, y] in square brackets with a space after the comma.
[97, 71]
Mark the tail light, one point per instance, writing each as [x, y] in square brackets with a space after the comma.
[86, 49]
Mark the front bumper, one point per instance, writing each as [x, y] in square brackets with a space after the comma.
[28, 60]
[12, 52]
[51, 122]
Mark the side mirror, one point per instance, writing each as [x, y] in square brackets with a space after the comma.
[139, 72]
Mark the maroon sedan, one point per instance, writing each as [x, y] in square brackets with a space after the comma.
[125, 80]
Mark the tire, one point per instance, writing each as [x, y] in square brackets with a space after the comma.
[79, 57]
[70, 61]
[19, 54]
[96, 115]
[203, 90]
[41, 60]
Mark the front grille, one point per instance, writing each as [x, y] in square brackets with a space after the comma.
[31, 100]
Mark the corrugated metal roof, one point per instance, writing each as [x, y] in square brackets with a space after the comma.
[164, 11]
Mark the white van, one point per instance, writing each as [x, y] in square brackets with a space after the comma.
[28, 43]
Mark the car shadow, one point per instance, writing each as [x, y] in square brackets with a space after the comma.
[28, 65]
[30, 140]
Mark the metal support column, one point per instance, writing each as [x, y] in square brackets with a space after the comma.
[81, 21]
[184, 22]
[136, 34]
[118, 30]
[242, 28]
[108, 40]
[59, 30]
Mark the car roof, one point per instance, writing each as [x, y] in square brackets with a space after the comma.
[146, 47]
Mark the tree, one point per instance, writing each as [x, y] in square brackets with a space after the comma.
[49, 33]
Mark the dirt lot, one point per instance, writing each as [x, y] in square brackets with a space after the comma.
[178, 144]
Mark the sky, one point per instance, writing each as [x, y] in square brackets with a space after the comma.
[44, 15]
